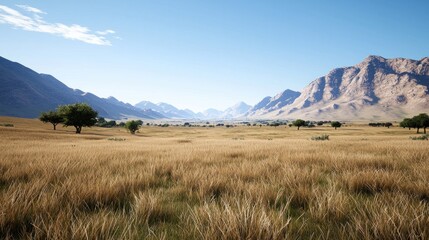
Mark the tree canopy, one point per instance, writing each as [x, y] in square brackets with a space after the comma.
[52, 117]
[419, 121]
[336, 124]
[299, 123]
[133, 125]
[78, 115]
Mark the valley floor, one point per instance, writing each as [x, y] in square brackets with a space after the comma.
[212, 183]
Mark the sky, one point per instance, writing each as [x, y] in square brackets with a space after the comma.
[205, 54]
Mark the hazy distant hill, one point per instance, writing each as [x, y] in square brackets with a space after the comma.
[236, 111]
[26, 93]
[375, 89]
[168, 110]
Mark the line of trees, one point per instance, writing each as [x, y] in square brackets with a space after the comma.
[302, 123]
[416, 122]
[381, 124]
[81, 115]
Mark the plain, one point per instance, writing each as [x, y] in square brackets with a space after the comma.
[212, 183]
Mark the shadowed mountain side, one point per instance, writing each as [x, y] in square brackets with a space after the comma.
[26, 93]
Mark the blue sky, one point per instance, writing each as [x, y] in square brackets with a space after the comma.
[202, 54]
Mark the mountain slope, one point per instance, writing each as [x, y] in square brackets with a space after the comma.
[270, 104]
[26, 93]
[236, 111]
[167, 110]
[375, 89]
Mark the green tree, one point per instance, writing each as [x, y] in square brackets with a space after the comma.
[78, 115]
[299, 123]
[52, 117]
[407, 123]
[336, 124]
[132, 126]
[388, 124]
[421, 121]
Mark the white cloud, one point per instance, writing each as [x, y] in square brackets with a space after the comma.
[31, 9]
[108, 31]
[36, 23]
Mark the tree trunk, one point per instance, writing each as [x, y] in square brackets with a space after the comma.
[78, 129]
[335, 128]
[418, 130]
[298, 127]
[55, 126]
[424, 130]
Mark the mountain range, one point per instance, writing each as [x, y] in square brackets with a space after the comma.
[237, 111]
[26, 93]
[375, 89]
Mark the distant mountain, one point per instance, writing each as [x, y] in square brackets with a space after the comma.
[26, 93]
[375, 89]
[236, 111]
[167, 110]
[170, 111]
[211, 113]
[269, 104]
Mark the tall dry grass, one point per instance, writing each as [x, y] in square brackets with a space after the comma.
[212, 183]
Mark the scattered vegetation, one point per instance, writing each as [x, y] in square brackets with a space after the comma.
[116, 139]
[380, 124]
[6, 125]
[421, 137]
[320, 137]
[58, 186]
[101, 122]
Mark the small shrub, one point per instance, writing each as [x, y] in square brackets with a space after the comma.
[7, 125]
[421, 137]
[322, 137]
[116, 139]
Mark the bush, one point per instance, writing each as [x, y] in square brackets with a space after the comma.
[132, 126]
[322, 137]
[421, 137]
[6, 124]
[116, 139]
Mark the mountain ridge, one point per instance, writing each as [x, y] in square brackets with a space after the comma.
[26, 93]
[376, 88]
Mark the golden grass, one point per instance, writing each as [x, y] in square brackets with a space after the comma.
[212, 183]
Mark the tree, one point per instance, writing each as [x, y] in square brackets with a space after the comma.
[78, 115]
[336, 124]
[140, 122]
[52, 117]
[421, 121]
[132, 126]
[299, 123]
[407, 123]
[388, 124]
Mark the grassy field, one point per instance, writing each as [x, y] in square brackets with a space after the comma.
[212, 183]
